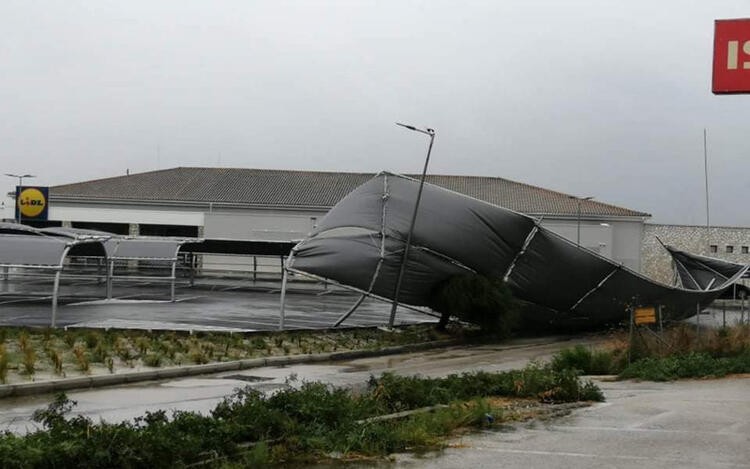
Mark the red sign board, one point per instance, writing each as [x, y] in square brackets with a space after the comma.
[731, 56]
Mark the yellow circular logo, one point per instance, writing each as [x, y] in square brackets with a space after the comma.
[31, 202]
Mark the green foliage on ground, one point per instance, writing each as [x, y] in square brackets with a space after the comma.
[25, 353]
[678, 353]
[484, 301]
[294, 425]
[588, 360]
[690, 365]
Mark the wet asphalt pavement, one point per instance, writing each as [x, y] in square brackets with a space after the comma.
[239, 306]
[685, 424]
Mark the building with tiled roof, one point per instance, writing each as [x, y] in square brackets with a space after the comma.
[311, 189]
[264, 204]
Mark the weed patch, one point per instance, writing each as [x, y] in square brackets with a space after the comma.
[295, 425]
[679, 353]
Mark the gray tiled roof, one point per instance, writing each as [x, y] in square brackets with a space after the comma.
[281, 188]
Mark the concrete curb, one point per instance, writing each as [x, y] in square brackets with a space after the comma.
[84, 382]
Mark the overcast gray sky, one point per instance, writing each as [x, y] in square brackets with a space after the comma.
[602, 98]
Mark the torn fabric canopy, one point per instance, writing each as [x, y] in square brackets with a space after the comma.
[360, 244]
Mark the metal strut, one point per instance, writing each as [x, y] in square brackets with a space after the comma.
[526, 243]
[282, 312]
[375, 274]
[598, 286]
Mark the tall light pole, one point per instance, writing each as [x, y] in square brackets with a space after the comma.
[705, 171]
[20, 177]
[397, 290]
[578, 225]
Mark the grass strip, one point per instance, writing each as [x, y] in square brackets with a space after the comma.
[28, 354]
[306, 424]
[679, 353]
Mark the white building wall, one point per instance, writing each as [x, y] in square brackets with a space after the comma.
[266, 225]
[114, 214]
[619, 240]
[614, 239]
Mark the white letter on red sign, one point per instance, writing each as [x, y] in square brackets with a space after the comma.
[733, 54]
[732, 47]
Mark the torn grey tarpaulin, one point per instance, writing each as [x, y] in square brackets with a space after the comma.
[360, 244]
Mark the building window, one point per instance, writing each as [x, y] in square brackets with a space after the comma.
[745, 250]
[713, 248]
[730, 249]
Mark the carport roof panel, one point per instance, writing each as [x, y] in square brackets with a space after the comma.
[280, 188]
[148, 248]
[31, 250]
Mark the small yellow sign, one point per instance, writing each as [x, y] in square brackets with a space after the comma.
[31, 202]
[646, 315]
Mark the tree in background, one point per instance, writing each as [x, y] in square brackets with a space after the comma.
[484, 301]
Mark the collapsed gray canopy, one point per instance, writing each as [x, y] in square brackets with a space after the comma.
[360, 244]
[700, 272]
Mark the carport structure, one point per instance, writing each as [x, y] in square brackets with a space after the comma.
[127, 249]
[145, 249]
[25, 249]
[29, 252]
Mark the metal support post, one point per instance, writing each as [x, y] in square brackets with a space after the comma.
[284, 278]
[742, 317]
[191, 256]
[661, 322]
[110, 274]
[351, 311]
[55, 292]
[405, 258]
[174, 268]
[282, 313]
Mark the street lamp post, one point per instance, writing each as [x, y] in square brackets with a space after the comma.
[578, 224]
[20, 177]
[404, 259]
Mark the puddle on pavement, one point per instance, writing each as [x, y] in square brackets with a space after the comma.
[247, 378]
[355, 368]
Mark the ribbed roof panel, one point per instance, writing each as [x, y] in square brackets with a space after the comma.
[281, 188]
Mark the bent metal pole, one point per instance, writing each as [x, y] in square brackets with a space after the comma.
[405, 258]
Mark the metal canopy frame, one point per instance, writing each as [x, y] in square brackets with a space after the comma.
[55, 264]
[470, 235]
[133, 243]
[364, 293]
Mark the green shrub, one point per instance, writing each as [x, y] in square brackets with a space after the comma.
[690, 365]
[294, 425]
[481, 300]
[3, 363]
[585, 360]
[79, 352]
[153, 360]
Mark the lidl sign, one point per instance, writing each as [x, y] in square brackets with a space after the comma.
[32, 203]
[731, 71]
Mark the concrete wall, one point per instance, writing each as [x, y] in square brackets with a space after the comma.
[618, 240]
[266, 225]
[658, 265]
